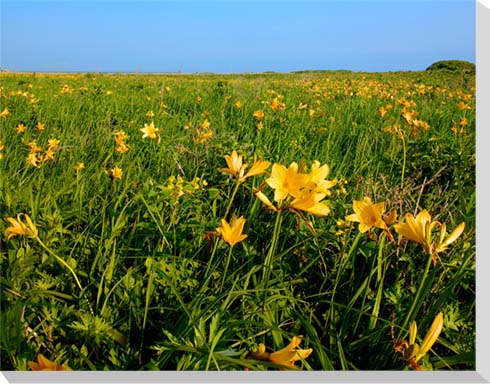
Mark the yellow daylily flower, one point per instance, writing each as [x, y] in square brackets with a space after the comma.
[44, 364]
[17, 227]
[411, 351]
[235, 165]
[258, 167]
[258, 114]
[79, 166]
[40, 126]
[116, 172]
[419, 229]
[237, 168]
[33, 159]
[5, 113]
[231, 233]
[53, 143]
[286, 357]
[367, 214]
[150, 131]
[286, 181]
[310, 202]
[21, 128]
[444, 242]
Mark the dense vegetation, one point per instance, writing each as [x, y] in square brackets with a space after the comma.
[126, 263]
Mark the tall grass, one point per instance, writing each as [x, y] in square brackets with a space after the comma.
[155, 294]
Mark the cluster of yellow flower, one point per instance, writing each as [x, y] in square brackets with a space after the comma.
[35, 157]
[203, 133]
[177, 187]
[417, 229]
[119, 138]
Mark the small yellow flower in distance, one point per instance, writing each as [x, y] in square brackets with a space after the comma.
[17, 227]
[198, 99]
[258, 114]
[260, 126]
[40, 126]
[44, 364]
[49, 155]
[21, 128]
[150, 114]
[122, 148]
[5, 113]
[79, 166]
[53, 143]
[109, 93]
[367, 214]
[238, 104]
[302, 106]
[277, 104]
[32, 159]
[462, 106]
[286, 357]
[119, 137]
[232, 233]
[116, 172]
[205, 124]
[149, 131]
[411, 351]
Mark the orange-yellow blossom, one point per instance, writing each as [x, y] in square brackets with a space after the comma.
[231, 233]
[286, 357]
[17, 227]
[44, 364]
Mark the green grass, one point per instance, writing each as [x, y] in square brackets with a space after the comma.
[154, 293]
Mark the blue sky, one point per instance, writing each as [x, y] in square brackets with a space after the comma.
[233, 36]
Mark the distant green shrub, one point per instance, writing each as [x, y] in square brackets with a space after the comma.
[452, 65]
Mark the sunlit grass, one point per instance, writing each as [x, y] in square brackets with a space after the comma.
[186, 222]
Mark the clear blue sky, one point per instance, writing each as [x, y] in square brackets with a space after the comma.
[233, 36]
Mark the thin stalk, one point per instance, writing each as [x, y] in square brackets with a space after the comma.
[417, 295]
[228, 258]
[270, 256]
[61, 261]
[235, 190]
[404, 161]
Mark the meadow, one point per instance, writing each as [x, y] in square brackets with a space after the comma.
[310, 220]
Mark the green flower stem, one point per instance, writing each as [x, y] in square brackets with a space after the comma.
[404, 161]
[228, 258]
[232, 197]
[411, 313]
[270, 256]
[61, 261]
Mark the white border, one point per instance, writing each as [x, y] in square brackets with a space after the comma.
[482, 372]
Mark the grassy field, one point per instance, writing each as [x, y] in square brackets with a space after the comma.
[134, 238]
